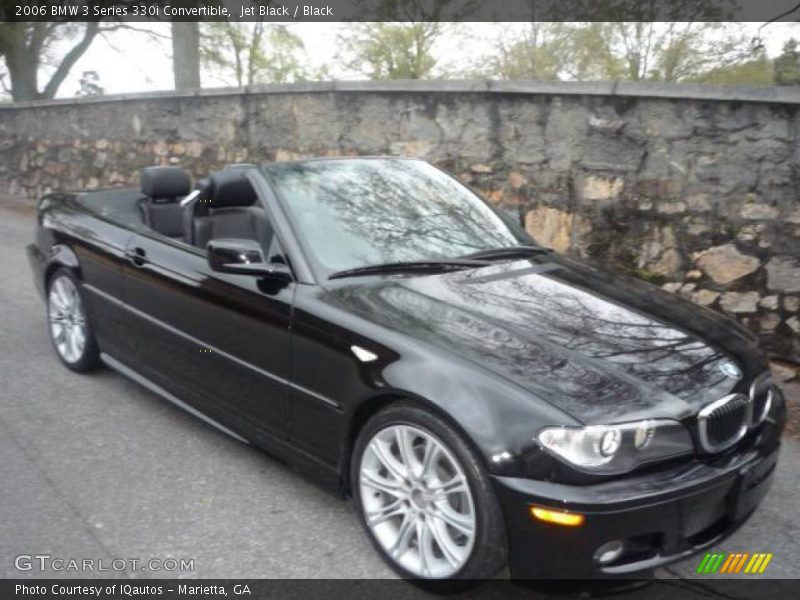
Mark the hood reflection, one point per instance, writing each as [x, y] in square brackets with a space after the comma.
[594, 357]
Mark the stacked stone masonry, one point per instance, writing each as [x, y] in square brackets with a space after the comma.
[692, 188]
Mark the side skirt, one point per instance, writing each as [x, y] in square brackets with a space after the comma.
[156, 389]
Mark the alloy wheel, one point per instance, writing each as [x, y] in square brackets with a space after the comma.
[417, 501]
[67, 319]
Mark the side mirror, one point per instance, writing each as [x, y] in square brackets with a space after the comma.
[243, 257]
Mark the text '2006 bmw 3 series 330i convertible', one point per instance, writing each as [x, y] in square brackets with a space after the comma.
[371, 321]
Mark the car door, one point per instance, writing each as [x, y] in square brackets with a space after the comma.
[218, 341]
[100, 244]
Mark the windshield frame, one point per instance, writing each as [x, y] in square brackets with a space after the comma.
[321, 272]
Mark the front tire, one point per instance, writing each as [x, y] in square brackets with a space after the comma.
[425, 498]
[68, 322]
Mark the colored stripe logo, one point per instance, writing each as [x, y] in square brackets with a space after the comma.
[734, 563]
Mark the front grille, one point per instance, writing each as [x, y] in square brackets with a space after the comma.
[760, 398]
[724, 422]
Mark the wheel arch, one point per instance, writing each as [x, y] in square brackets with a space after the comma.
[374, 404]
[61, 256]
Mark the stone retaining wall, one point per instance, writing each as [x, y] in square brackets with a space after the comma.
[691, 187]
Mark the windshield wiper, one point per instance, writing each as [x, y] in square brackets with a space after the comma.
[507, 252]
[411, 265]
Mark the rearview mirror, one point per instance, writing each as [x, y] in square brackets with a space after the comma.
[243, 257]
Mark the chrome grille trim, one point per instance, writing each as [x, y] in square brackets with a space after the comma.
[760, 384]
[707, 412]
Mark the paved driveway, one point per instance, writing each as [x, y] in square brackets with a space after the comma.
[97, 467]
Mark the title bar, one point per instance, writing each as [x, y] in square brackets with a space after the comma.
[400, 10]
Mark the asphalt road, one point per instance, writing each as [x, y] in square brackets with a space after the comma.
[97, 467]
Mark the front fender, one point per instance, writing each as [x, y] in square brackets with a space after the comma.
[46, 255]
[60, 255]
[498, 418]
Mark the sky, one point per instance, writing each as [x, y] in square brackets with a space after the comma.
[127, 61]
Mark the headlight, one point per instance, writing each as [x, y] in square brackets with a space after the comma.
[617, 448]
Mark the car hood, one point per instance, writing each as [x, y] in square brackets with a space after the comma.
[601, 348]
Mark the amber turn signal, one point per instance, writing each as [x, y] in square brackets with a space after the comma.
[559, 517]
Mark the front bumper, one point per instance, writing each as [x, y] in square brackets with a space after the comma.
[660, 517]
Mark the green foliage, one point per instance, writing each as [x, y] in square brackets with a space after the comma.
[757, 71]
[637, 51]
[391, 50]
[593, 55]
[543, 51]
[253, 53]
[692, 50]
[787, 65]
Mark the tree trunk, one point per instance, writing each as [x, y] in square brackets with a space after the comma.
[23, 46]
[22, 71]
[22, 64]
[69, 60]
[186, 55]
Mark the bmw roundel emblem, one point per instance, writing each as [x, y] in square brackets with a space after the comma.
[729, 369]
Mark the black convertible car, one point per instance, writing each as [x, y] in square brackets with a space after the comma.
[381, 328]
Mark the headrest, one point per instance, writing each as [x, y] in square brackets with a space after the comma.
[205, 186]
[165, 182]
[231, 188]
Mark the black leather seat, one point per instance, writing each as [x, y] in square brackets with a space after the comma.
[227, 209]
[163, 188]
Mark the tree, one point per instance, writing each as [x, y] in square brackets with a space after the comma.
[593, 53]
[400, 43]
[660, 51]
[25, 46]
[691, 50]
[757, 71]
[391, 50]
[282, 57]
[542, 51]
[186, 54]
[665, 40]
[634, 51]
[551, 51]
[787, 65]
[253, 53]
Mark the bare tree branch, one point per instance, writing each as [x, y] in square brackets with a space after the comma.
[70, 59]
[125, 26]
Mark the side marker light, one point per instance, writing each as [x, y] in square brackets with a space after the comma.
[559, 517]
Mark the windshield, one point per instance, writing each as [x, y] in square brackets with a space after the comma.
[353, 213]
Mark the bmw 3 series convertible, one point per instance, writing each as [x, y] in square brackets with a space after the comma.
[486, 402]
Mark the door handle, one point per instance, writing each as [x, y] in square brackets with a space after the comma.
[137, 256]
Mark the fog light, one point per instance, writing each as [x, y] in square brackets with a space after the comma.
[559, 517]
[609, 552]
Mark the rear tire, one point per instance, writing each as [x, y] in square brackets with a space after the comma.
[68, 323]
[426, 500]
